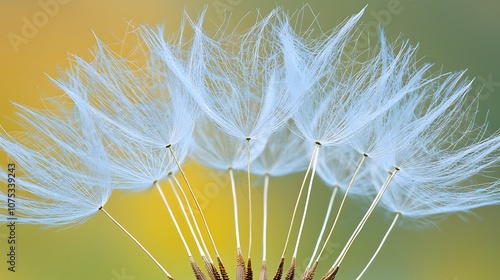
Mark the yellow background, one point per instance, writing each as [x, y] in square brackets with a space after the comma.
[453, 34]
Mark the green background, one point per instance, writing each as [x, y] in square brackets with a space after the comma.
[454, 35]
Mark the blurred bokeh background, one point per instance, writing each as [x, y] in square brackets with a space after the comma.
[36, 38]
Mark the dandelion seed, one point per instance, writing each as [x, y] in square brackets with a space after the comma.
[217, 150]
[197, 272]
[329, 113]
[66, 176]
[421, 205]
[336, 168]
[209, 265]
[284, 153]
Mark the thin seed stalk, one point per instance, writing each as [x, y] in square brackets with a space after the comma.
[240, 262]
[196, 269]
[183, 210]
[263, 269]
[249, 272]
[279, 271]
[172, 216]
[137, 242]
[198, 231]
[206, 261]
[291, 271]
[306, 205]
[196, 202]
[377, 198]
[340, 207]
[311, 268]
[380, 245]
[235, 208]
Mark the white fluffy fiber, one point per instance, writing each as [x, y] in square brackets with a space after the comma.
[62, 175]
[129, 108]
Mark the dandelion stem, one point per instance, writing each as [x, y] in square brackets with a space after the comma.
[306, 206]
[264, 219]
[263, 270]
[240, 263]
[377, 198]
[209, 266]
[380, 245]
[173, 218]
[183, 209]
[198, 231]
[137, 242]
[195, 200]
[235, 207]
[320, 237]
[297, 202]
[197, 272]
[219, 260]
[249, 273]
[340, 207]
[291, 271]
[207, 260]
